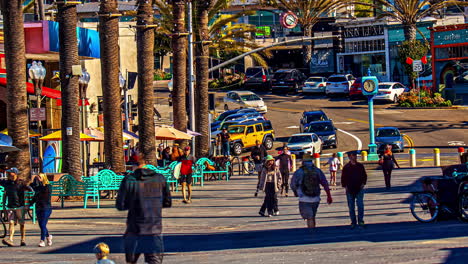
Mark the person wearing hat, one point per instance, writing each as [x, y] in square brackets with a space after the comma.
[353, 179]
[185, 178]
[305, 184]
[14, 195]
[270, 183]
[176, 152]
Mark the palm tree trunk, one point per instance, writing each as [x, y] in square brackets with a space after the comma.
[179, 50]
[71, 159]
[145, 59]
[202, 76]
[307, 48]
[109, 39]
[410, 32]
[15, 59]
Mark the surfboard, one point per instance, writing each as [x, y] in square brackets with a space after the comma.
[48, 161]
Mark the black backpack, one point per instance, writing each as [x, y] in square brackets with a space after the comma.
[310, 182]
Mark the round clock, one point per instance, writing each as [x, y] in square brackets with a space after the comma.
[288, 19]
[368, 86]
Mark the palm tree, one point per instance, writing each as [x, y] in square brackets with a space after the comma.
[409, 12]
[145, 59]
[12, 11]
[109, 39]
[67, 19]
[179, 51]
[308, 13]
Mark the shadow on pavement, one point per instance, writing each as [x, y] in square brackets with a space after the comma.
[456, 255]
[382, 232]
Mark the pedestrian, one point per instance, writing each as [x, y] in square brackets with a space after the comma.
[42, 195]
[223, 140]
[353, 179]
[270, 183]
[14, 195]
[258, 155]
[284, 162]
[176, 152]
[334, 163]
[185, 178]
[166, 156]
[102, 252]
[388, 162]
[143, 193]
[160, 158]
[305, 184]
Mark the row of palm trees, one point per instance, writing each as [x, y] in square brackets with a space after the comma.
[211, 35]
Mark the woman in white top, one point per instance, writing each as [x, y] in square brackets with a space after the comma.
[334, 163]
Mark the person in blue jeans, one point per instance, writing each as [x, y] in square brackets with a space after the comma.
[354, 178]
[42, 197]
[223, 139]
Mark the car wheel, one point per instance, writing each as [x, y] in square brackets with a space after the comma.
[237, 149]
[268, 143]
[226, 107]
[395, 99]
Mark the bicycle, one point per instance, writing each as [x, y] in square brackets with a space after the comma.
[248, 168]
[425, 206]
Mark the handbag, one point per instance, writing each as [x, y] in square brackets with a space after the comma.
[380, 161]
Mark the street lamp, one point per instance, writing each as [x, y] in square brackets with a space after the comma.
[37, 73]
[83, 86]
[123, 87]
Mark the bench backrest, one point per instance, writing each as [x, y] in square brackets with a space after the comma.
[108, 179]
[67, 185]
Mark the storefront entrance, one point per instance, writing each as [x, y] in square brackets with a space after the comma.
[359, 64]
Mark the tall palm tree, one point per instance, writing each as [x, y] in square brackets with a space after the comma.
[145, 59]
[12, 11]
[408, 12]
[179, 51]
[308, 13]
[109, 39]
[67, 19]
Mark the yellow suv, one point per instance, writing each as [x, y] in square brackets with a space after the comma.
[244, 135]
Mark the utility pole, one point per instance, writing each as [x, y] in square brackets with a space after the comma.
[190, 72]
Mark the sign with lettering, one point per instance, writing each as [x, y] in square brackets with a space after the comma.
[360, 32]
[451, 37]
[417, 66]
[37, 114]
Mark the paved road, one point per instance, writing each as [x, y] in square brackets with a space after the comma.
[222, 226]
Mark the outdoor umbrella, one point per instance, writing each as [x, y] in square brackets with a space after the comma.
[32, 133]
[127, 135]
[97, 134]
[6, 148]
[193, 133]
[57, 136]
[170, 133]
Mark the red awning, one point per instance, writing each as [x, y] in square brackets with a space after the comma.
[48, 92]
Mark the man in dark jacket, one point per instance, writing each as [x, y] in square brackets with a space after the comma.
[258, 155]
[284, 162]
[143, 193]
[354, 178]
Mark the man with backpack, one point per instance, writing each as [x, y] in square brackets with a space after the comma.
[305, 184]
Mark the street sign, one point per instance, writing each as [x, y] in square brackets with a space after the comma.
[417, 66]
[37, 114]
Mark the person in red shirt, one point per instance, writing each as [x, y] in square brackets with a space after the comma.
[185, 178]
[354, 178]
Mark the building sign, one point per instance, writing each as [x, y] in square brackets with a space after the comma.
[361, 32]
[322, 61]
[37, 114]
[264, 31]
[450, 37]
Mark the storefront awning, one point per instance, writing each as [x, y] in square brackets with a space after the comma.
[48, 92]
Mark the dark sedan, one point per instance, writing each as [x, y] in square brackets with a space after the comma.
[326, 131]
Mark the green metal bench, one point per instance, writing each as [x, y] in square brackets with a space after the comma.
[28, 196]
[203, 170]
[167, 172]
[68, 186]
[106, 180]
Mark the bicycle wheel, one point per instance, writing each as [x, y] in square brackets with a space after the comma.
[424, 207]
[3, 231]
[463, 205]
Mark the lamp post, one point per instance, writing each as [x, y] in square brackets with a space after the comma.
[370, 87]
[123, 87]
[83, 86]
[37, 73]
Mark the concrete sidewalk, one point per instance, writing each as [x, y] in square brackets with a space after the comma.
[222, 225]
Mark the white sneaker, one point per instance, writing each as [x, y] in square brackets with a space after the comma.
[41, 244]
[49, 240]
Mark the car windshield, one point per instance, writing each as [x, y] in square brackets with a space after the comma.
[320, 127]
[253, 72]
[250, 97]
[384, 86]
[387, 133]
[282, 75]
[233, 117]
[299, 139]
[314, 79]
[222, 116]
[236, 129]
[337, 79]
[314, 118]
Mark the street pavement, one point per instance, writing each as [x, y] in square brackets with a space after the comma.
[222, 225]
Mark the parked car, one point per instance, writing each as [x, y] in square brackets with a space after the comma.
[389, 136]
[225, 114]
[244, 135]
[242, 117]
[355, 92]
[304, 143]
[258, 78]
[244, 99]
[311, 116]
[390, 91]
[315, 84]
[326, 131]
[287, 80]
[339, 84]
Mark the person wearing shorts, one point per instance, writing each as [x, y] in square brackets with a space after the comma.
[308, 205]
[186, 174]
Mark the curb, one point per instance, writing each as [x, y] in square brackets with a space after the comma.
[430, 108]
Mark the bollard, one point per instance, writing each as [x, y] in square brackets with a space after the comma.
[293, 158]
[317, 160]
[364, 155]
[412, 154]
[461, 150]
[245, 162]
[340, 158]
[437, 157]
